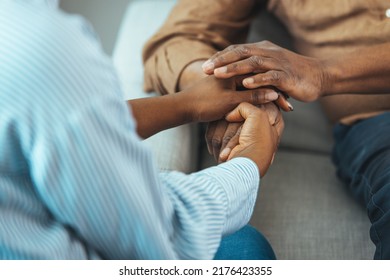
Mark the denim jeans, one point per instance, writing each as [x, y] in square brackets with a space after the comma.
[245, 244]
[362, 157]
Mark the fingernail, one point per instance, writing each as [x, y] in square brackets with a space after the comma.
[271, 96]
[208, 66]
[221, 70]
[290, 106]
[248, 81]
[225, 153]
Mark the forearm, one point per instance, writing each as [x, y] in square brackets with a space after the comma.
[194, 30]
[363, 71]
[155, 114]
[226, 195]
[191, 74]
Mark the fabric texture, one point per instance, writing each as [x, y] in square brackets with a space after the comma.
[175, 148]
[306, 212]
[76, 182]
[245, 244]
[319, 29]
[362, 157]
[303, 210]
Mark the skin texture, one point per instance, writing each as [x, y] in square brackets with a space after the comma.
[221, 132]
[212, 99]
[269, 65]
[232, 141]
[256, 133]
[306, 79]
[208, 100]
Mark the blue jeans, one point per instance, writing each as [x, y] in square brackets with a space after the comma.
[362, 157]
[245, 244]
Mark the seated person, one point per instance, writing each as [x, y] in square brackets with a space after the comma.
[76, 181]
[342, 58]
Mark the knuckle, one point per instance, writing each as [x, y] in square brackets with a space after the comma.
[230, 134]
[219, 57]
[226, 139]
[208, 136]
[257, 61]
[275, 77]
[218, 60]
[264, 43]
[217, 54]
[231, 47]
[255, 96]
[243, 50]
[216, 143]
[234, 67]
[267, 43]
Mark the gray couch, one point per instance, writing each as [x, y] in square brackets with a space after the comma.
[303, 209]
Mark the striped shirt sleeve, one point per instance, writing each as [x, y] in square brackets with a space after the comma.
[84, 161]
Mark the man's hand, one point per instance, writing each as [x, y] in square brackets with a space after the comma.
[258, 138]
[267, 64]
[219, 134]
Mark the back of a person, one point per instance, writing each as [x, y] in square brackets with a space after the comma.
[28, 228]
[77, 182]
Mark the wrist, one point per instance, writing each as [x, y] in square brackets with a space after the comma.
[258, 157]
[184, 105]
[191, 74]
[330, 76]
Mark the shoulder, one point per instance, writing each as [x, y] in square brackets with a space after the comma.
[47, 48]
[54, 62]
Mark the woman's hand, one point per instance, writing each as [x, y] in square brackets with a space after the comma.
[258, 138]
[275, 119]
[267, 64]
[208, 100]
[211, 99]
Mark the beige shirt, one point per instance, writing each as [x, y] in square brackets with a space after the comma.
[197, 29]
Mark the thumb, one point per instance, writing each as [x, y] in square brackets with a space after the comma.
[241, 112]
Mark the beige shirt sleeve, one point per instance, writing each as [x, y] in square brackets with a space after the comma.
[194, 30]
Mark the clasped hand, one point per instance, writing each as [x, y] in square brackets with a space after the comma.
[267, 64]
[261, 65]
[260, 127]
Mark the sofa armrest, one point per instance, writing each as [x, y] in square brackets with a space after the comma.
[138, 25]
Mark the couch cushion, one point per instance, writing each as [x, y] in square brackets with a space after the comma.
[307, 129]
[306, 212]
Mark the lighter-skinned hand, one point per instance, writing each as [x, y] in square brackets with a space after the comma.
[259, 135]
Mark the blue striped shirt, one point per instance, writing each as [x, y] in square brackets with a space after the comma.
[76, 182]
